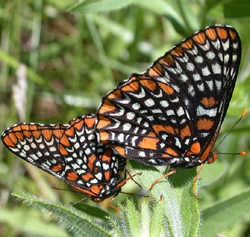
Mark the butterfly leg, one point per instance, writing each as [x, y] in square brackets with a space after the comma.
[131, 177]
[195, 179]
[111, 200]
[121, 184]
[164, 176]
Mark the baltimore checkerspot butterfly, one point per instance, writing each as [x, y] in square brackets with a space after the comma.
[172, 113]
[71, 153]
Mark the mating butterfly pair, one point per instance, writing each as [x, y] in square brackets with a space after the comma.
[169, 115]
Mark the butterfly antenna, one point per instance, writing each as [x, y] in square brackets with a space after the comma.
[241, 153]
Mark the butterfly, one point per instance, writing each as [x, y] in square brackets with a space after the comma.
[71, 153]
[171, 114]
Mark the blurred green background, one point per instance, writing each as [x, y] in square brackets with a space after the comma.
[75, 54]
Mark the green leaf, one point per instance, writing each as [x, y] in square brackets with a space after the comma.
[91, 6]
[146, 218]
[31, 225]
[181, 206]
[156, 225]
[212, 172]
[91, 210]
[224, 214]
[237, 9]
[80, 224]
[164, 8]
[132, 219]
[12, 62]
[182, 183]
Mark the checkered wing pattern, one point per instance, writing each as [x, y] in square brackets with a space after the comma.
[172, 113]
[69, 152]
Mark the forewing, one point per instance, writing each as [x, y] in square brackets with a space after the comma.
[37, 144]
[174, 109]
[203, 71]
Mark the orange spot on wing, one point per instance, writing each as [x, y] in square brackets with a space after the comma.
[151, 134]
[132, 78]
[150, 84]
[115, 94]
[72, 176]
[171, 152]
[58, 132]
[222, 33]
[47, 134]
[188, 44]
[208, 102]
[25, 133]
[57, 168]
[103, 122]
[205, 124]
[194, 149]
[107, 155]
[104, 136]
[178, 51]
[107, 175]
[166, 88]
[120, 150]
[89, 121]
[91, 161]
[96, 189]
[232, 34]
[68, 132]
[160, 128]
[209, 148]
[185, 132]
[10, 140]
[167, 60]
[64, 140]
[24, 127]
[200, 38]
[32, 127]
[133, 86]
[211, 33]
[106, 107]
[35, 134]
[63, 150]
[87, 176]
[149, 143]
[156, 70]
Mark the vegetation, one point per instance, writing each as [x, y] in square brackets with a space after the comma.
[74, 52]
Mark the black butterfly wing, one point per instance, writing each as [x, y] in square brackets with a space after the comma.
[94, 168]
[69, 152]
[172, 113]
[37, 144]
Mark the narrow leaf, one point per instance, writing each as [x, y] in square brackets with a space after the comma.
[133, 219]
[145, 220]
[157, 218]
[163, 8]
[237, 9]
[182, 184]
[163, 187]
[224, 214]
[79, 223]
[100, 6]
